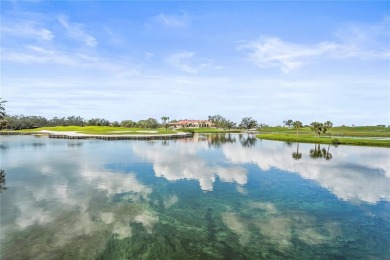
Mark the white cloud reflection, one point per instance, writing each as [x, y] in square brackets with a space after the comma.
[67, 194]
[278, 227]
[184, 162]
[70, 203]
[353, 174]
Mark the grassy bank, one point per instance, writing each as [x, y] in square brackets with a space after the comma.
[102, 130]
[309, 138]
[342, 131]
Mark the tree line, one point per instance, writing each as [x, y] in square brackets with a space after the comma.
[18, 122]
[316, 127]
[29, 122]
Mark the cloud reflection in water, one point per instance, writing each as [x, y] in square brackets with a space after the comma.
[69, 200]
[184, 162]
[353, 174]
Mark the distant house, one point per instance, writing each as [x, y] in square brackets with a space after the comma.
[192, 123]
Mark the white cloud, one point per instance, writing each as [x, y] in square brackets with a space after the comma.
[359, 41]
[273, 52]
[76, 31]
[148, 55]
[188, 62]
[179, 61]
[27, 30]
[172, 21]
[33, 54]
[369, 35]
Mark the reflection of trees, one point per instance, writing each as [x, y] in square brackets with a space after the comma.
[37, 145]
[218, 139]
[75, 144]
[327, 155]
[317, 152]
[2, 180]
[248, 141]
[297, 155]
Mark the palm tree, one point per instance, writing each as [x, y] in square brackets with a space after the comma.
[288, 122]
[165, 119]
[3, 121]
[297, 125]
[317, 128]
[327, 126]
[2, 109]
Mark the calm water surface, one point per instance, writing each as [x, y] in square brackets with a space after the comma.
[211, 197]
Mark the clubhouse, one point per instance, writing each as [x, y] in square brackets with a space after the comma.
[191, 123]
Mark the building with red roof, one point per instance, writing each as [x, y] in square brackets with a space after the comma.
[192, 123]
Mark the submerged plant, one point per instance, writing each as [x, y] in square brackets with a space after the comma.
[2, 180]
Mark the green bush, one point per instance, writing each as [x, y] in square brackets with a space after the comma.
[336, 141]
[187, 130]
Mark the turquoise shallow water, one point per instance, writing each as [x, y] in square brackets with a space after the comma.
[210, 197]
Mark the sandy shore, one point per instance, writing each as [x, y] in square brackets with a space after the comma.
[77, 135]
[74, 133]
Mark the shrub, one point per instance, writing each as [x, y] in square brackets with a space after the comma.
[336, 141]
[192, 131]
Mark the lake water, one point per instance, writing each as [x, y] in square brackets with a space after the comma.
[210, 197]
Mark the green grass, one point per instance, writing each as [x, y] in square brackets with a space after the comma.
[364, 131]
[342, 133]
[367, 131]
[309, 138]
[106, 130]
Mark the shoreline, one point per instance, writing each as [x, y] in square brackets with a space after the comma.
[76, 135]
[356, 141]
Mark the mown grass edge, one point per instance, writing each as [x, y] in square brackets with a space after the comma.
[325, 140]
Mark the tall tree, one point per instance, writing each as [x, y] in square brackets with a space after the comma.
[316, 128]
[148, 123]
[128, 123]
[327, 125]
[3, 120]
[319, 128]
[2, 109]
[229, 124]
[164, 120]
[248, 123]
[288, 122]
[218, 120]
[297, 125]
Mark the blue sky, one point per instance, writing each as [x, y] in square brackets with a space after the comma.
[307, 61]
